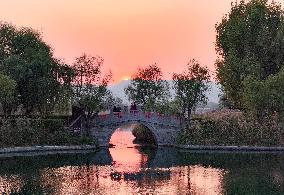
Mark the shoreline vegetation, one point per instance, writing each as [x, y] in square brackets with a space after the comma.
[227, 130]
[224, 130]
[23, 131]
[233, 128]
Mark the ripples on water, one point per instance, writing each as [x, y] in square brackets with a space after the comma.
[132, 169]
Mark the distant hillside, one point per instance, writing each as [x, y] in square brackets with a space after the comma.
[118, 90]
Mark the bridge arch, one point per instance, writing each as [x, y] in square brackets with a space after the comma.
[150, 128]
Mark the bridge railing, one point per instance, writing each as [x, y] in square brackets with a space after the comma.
[136, 116]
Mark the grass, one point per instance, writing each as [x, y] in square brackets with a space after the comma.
[233, 128]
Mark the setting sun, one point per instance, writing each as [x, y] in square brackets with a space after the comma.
[126, 78]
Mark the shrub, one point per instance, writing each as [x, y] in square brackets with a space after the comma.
[233, 128]
[143, 135]
[30, 132]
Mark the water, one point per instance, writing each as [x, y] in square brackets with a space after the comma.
[131, 169]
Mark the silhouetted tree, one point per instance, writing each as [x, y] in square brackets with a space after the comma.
[147, 87]
[190, 88]
[28, 60]
[90, 85]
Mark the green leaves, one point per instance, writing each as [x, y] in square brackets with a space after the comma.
[7, 92]
[147, 87]
[190, 87]
[28, 60]
[265, 97]
[250, 42]
[89, 84]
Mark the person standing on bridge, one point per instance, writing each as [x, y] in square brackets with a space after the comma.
[125, 109]
[114, 109]
[134, 106]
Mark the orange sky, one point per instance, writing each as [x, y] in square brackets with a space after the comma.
[126, 33]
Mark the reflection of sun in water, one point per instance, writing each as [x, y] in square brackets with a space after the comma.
[9, 184]
[127, 158]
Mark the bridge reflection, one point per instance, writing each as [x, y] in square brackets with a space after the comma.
[128, 156]
[166, 171]
[130, 160]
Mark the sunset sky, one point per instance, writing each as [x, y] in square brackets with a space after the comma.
[126, 33]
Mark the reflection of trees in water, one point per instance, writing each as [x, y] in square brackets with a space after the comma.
[257, 173]
[166, 168]
[30, 164]
[150, 151]
[127, 156]
[246, 173]
[41, 174]
[143, 175]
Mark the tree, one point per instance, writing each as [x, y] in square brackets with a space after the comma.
[147, 87]
[250, 43]
[224, 102]
[90, 86]
[111, 100]
[28, 60]
[190, 88]
[265, 98]
[169, 107]
[65, 75]
[7, 93]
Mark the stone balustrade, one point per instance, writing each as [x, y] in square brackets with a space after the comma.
[136, 116]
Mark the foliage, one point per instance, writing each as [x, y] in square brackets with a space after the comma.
[30, 132]
[90, 85]
[111, 100]
[265, 98]
[7, 93]
[28, 60]
[147, 88]
[190, 87]
[143, 135]
[169, 107]
[250, 43]
[233, 128]
[224, 102]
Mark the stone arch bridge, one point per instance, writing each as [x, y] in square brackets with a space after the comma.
[164, 128]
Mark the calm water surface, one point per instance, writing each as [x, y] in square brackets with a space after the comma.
[131, 169]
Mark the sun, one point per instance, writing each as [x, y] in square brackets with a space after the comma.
[126, 78]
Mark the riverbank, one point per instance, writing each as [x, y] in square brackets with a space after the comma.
[46, 150]
[221, 148]
[230, 148]
[51, 150]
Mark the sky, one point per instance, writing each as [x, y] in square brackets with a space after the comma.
[127, 33]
